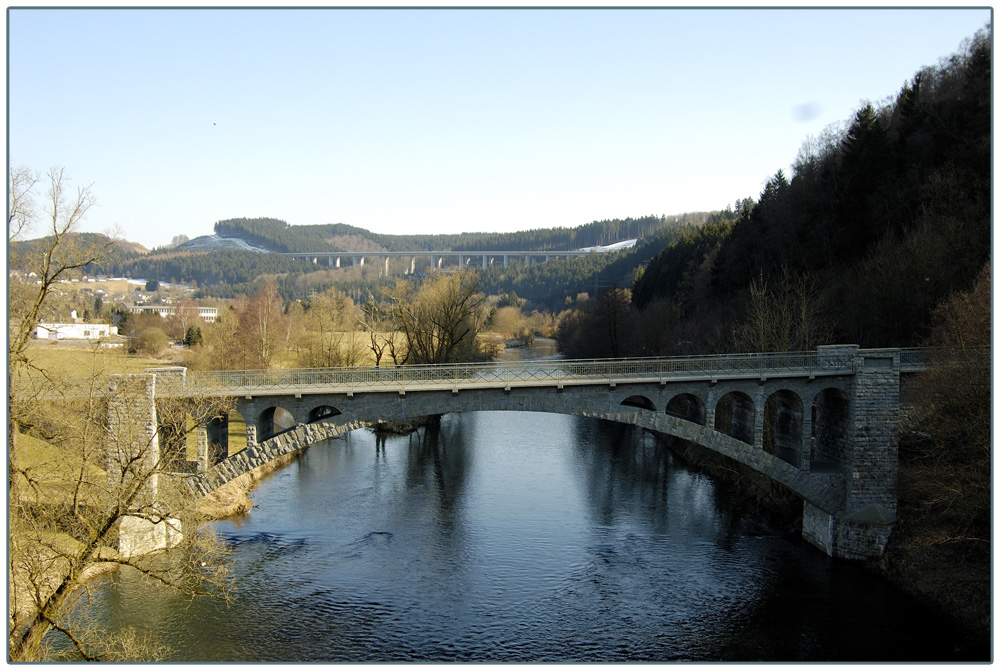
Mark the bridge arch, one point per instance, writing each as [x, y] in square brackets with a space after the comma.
[782, 435]
[831, 429]
[735, 416]
[275, 420]
[639, 401]
[323, 413]
[731, 436]
[687, 406]
[217, 435]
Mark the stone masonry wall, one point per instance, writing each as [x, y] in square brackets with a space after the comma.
[132, 437]
[874, 418]
[259, 454]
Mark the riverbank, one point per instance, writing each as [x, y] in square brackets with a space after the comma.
[932, 555]
[233, 498]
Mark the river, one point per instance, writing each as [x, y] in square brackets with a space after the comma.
[523, 537]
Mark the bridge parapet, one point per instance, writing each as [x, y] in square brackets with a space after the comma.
[760, 366]
[176, 381]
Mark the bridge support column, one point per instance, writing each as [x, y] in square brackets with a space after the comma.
[758, 417]
[202, 439]
[711, 400]
[133, 461]
[806, 443]
[860, 530]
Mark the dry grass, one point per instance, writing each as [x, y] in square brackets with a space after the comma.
[54, 471]
[61, 360]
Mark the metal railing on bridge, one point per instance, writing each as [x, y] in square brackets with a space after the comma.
[180, 382]
[529, 373]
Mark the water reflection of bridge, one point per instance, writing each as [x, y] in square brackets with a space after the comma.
[821, 423]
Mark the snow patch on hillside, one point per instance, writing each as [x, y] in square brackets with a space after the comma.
[211, 243]
[624, 244]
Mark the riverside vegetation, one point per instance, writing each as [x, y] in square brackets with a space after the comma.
[880, 237]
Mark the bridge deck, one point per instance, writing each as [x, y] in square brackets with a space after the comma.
[507, 375]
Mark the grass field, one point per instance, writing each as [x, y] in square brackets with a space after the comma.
[62, 360]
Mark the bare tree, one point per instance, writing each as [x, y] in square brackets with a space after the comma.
[442, 319]
[949, 454]
[264, 325]
[329, 339]
[67, 496]
[57, 254]
[376, 320]
[88, 471]
[780, 319]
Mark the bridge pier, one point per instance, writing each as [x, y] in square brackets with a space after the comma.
[758, 420]
[202, 440]
[861, 528]
[133, 462]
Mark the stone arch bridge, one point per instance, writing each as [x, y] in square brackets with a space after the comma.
[822, 423]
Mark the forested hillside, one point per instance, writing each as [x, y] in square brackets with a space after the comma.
[278, 236]
[594, 234]
[549, 285]
[224, 273]
[878, 224]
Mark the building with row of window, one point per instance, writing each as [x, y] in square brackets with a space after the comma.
[75, 331]
[208, 315]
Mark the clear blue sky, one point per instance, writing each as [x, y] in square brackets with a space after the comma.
[445, 120]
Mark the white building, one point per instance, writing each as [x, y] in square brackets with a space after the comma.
[74, 331]
[207, 314]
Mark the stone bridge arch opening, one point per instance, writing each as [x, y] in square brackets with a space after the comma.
[831, 435]
[173, 426]
[217, 431]
[735, 415]
[687, 406]
[322, 412]
[275, 420]
[638, 401]
[783, 426]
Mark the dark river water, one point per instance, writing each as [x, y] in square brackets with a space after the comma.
[522, 537]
